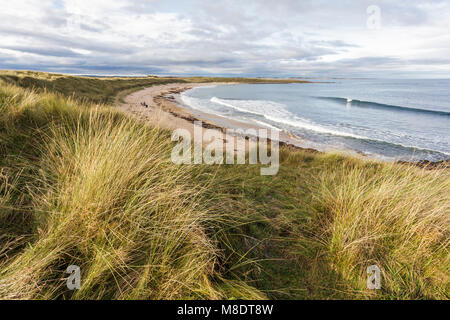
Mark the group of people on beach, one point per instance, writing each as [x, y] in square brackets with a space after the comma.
[144, 104]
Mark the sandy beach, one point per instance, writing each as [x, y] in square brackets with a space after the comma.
[166, 110]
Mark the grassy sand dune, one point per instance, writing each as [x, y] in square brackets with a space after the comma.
[325, 218]
[82, 184]
[90, 187]
[108, 89]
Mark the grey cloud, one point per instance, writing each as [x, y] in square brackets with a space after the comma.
[271, 37]
[44, 51]
[66, 41]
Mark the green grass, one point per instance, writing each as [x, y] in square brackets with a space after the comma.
[84, 184]
[84, 89]
[87, 186]
[106, 90]
[313, 229]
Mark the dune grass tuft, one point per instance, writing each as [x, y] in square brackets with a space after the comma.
[82, 184]
[101, 193]
[312, 230]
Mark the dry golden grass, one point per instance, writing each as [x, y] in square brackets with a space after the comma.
[397, 219]
[313, 229]
[85, 185]
[34, 74]
[107, 198]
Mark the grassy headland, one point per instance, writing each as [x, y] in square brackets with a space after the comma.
[83, 184]
[107, 90]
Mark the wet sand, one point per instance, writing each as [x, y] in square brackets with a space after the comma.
[166, 110]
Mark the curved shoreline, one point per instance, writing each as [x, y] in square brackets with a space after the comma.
[166, 110]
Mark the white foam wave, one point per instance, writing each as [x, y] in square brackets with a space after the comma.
[276, 113]
[258, 107]
[268, 109]
[265, 124]
[304, 124]
[194, 103]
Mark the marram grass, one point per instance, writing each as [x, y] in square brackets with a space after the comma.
[101, 193]
[84, 185]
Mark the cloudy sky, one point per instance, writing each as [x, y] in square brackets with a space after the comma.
[357, 38]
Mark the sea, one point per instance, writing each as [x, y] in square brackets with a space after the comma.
[388, 119]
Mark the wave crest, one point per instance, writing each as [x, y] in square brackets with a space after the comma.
[376, 105]
[276, 112]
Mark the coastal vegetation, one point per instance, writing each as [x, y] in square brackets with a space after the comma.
[84, 184]
[107, 90]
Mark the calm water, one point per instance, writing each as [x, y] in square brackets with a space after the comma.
[389, 119]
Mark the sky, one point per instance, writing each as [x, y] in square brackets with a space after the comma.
[276, 38]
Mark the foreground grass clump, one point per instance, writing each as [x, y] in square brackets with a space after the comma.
[314, 228]
[89, 187]
[85, 185]
[397, 218]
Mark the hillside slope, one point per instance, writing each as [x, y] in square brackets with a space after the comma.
[82, 184]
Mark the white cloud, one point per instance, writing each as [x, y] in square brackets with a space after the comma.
[271, 37]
